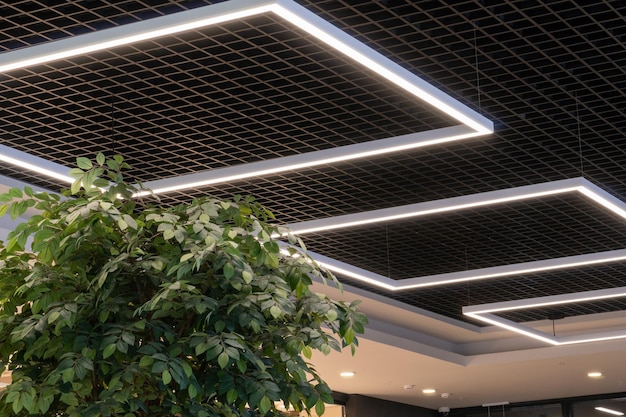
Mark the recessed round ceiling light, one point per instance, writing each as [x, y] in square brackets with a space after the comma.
[594, 374]
[429, 391]
[347, 374]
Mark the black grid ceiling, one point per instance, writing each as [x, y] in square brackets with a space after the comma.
[483, 237]
[551, 76]
[205, 100]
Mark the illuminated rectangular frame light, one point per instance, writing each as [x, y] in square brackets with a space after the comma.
[573, 185]
[484, 312]
[473, 123]
[609, 411]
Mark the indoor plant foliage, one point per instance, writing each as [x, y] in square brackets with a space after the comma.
[130, 309]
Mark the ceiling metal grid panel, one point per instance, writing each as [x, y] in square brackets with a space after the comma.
[245, 92]
[483, 237]
[552, 76]
[448, 300]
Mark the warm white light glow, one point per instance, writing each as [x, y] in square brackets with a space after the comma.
[409, 211]
[23, 164]
[342, 271]
[484, 312]
[514, 327]
[278, 165]
[615, 207]
[291, 12]
[573, 185]
[95, 45]
[347, 374]
[609, 411]
[383, 70]
[580, 185]
[475, 123]
[553, 300]
[429, 391]
[594, 374]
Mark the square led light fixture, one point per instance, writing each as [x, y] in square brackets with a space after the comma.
[485, 313]
[573, 185]
[472, 123]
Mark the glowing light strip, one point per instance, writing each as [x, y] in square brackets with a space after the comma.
[348, 270]
[295, 14]
[603, 198]
[552, 300]
[474, 274]
[609, 411]
[35, 164]
[309, 159]
[134, 32]
[514, 269]
[484, 312]
[342, 268]
[366, 56]
[439, 206]
[581, 185]
[238, 9]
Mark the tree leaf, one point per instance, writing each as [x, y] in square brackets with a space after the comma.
[166, 377]
[264, 405]
[223, 359]
[193, 391]
[122, 224]
[130, 221]
[186, 257]
[320, 407]
[108, 351]
[128, 338]
[229, 271]
[275, 311]
[113, 164]
[179, 235]
[76, 173]
[76, 185]
[231, 396]
[84, 163]
[146, 361]
[168, 234]
[348, 335]
[15, 192]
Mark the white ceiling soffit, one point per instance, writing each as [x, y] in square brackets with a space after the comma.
[573, 185]
[472, 123]
[484, 313]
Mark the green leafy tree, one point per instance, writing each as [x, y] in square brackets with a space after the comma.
[124, 308]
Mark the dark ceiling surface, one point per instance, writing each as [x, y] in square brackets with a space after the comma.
[551, 75]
